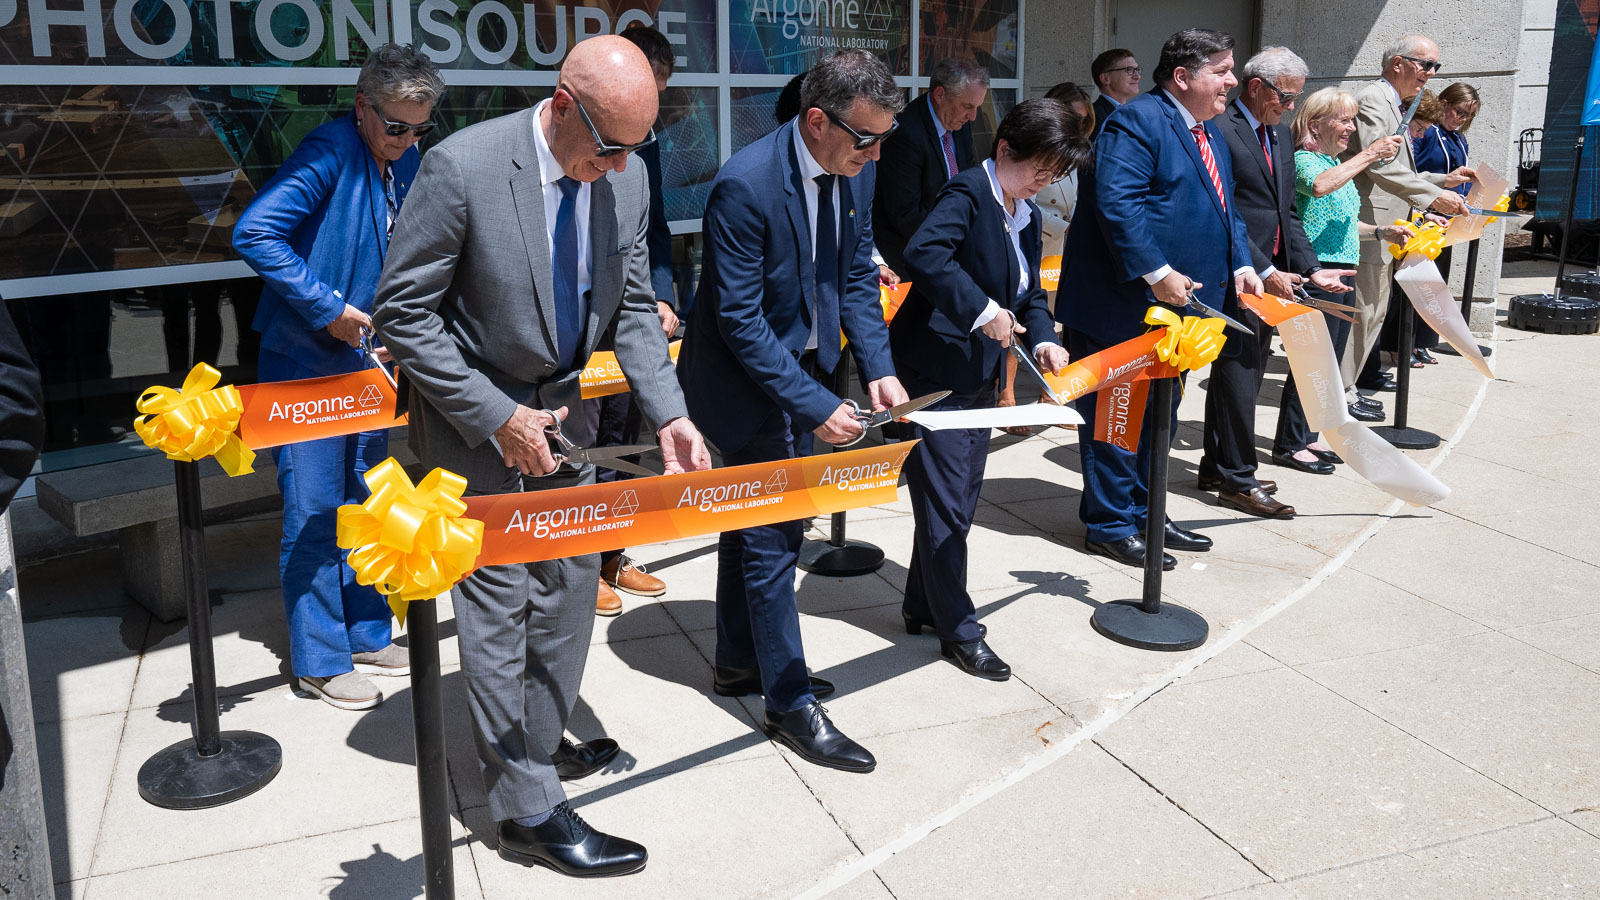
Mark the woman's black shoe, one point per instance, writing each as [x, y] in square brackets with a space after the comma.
[1327, 456]
[1424, 357]
[566, 843]
[1290, 461]
[574, 761]
[975, 658]
[916, 626]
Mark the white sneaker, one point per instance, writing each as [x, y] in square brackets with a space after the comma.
[352, 690]
[391, 660]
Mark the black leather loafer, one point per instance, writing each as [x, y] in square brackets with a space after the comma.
[975, 658]
[1369, 402]
[727, 681]
[809, 732]
[1364, 413]
[567, 844]
[574, 761]
[1290, 461]
[1192, 541]
[1381, 383]
[1215, 484]
[1327, 456]
[1129, 551]
[916, 626]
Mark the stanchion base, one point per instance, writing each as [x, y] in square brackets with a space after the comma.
[1172, 629]
[1407, 438]
[1448, 350]
[840, 561]
[180, 778]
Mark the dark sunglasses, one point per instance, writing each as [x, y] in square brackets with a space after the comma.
[395, 129]
[604, 149]
[1426, 65]
[1287, 98]
[863, 141]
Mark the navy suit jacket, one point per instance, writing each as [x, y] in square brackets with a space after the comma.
[317, 232]
[957, 261]
[1266, 199]
[913, 171]
[752, 312]
[1103, 108]
[1147, 202]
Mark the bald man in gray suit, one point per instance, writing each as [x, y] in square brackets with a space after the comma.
[520, 245]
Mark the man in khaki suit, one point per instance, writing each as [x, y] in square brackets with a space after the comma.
[1390, 191]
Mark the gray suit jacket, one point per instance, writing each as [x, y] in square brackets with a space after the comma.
[466, 303]
[1390, 191]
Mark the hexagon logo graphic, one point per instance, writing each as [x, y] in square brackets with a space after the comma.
[878, 15]
[627, 503]
[778, 483]
[370, 397]
[900, 461]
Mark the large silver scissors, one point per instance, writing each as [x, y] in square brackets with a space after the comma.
[371, 353]
[1227, 320]
[565, 451]
[1337, 310]
[870, 419]
[1405, 124]
[1026, 360]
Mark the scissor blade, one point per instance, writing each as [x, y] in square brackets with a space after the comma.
[1337, 310]
[622, 465]
[902, 410]
[1228, 320]
[596, 454]
[1497, 214]
[1022, 355]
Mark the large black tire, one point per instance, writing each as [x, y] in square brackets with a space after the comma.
[1580, 284]
[1542, 312]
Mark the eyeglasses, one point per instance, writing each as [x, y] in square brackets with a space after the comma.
[1426, 65]
[396, 129]
[1287, 98]
[603, 148]
[863, 141]
[1137, 70]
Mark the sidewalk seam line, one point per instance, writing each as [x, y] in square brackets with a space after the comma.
[116, 759]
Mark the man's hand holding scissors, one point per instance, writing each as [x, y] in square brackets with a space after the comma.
[524, 444]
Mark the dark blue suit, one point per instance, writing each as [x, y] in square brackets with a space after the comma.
[317, 232]
[957, 261]
[747, 390]
[1148, 202]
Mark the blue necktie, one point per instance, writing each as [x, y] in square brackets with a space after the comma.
[828, 280]
[570, 311]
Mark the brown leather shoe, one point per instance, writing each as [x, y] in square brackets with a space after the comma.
[608, 603]
[1257, 503]
[624, 574]
[1211, 484]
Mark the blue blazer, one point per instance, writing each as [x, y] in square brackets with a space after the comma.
[752, 311]
[957, 261]
[1441, 151]
[1148, 202]
[317, 232]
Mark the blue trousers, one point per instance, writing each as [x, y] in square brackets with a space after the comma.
[758, 623]
[329, 615]
[1116, 489]
[943, 476]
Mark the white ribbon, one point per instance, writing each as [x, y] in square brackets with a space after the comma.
[996, 417]
[1420, 279]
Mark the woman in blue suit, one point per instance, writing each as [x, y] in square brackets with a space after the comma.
[317, 233]
[974, 268]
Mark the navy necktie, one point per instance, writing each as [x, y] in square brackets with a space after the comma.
[570, 311]
[828, 280]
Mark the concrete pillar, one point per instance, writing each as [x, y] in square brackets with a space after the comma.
[24, 845]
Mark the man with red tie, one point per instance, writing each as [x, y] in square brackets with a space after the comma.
[1155, 222]
[933, 142]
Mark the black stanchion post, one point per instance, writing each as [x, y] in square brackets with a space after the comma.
[838, 555]
[1572, 202]
[1150, 624]
[1469, 282]
[427, 716]
[1399, 434]
[215, 766]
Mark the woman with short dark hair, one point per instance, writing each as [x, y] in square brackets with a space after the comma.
[974, 272]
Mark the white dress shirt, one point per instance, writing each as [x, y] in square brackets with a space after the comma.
[1015, 223]
[550, 172]
[810, 169]
[1188, 125]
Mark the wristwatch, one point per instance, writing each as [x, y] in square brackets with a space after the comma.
[1311, 271]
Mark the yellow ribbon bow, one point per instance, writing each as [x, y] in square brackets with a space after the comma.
[1190, 343]
[195, 422]
[410, 540]
[1429, 241]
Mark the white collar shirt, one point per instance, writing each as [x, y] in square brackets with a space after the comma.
[809, 170]
[1015, 223]
[550, 172]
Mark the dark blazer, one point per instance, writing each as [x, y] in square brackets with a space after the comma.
[1147, 202]
[21, 411]
[1103, 108]
[912, 173]
[752, 311]
[1266, 199]
[957, 261]
[317, 233]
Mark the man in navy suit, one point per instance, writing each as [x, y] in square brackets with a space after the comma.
[1156, 220]
[1116, 73]
[787, 265]
[933, 143]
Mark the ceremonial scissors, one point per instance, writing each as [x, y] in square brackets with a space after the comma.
[870, 419]
[1022, 355]
[371, 353]
[1337, 310]
[1227, 320]
[565, 451]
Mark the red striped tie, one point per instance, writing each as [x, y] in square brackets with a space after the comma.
[1211, 163]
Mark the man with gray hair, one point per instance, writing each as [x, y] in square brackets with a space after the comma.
[316, 233]
[1391, 191]
[1262, 148]
[787, 266]
[934, 142]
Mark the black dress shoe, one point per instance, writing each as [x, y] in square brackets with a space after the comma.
[1179, 539]
[574, 761]
[809, 732]
[1372, 403]
[1327, 456]
[1129, 551]
[915, 625]
[727, 681]
[1381, 383]
[1365, 414]
[1315, 466]
[1421, 355]
[566, 843]
[975, 658]
[1214, 484]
